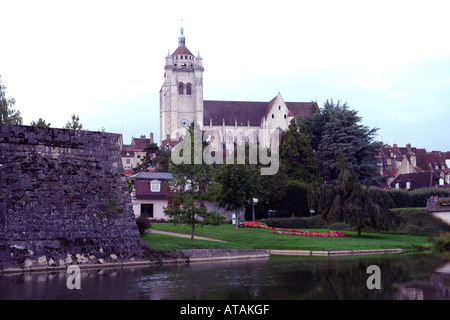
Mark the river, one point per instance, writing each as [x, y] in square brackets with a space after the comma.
[402, 277]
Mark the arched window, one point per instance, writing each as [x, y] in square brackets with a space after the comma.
[188, 89]
[180, 89]
[229, 136]
[242, 135]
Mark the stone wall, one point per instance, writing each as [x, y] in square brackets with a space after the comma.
[64, 199]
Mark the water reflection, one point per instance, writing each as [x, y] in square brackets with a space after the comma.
[405, 276]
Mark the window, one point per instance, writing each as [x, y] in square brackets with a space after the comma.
[155, 186]
[188, 89]
[128, 161]
[229, 136]
[279, 107]
[285, 116]
[180, 89]
[408, 185]
[273, 116]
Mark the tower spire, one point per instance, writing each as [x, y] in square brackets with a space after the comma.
[181, 38]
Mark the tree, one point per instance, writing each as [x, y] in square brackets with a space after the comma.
[154, 157]
[188, 189]
[148, 160]
[74, 123]
[40, 123]
[7, 113]
[237, 184]
[297, 155]
[338, 130]
[350, 202]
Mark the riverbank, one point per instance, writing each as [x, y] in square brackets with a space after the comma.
[205, 255]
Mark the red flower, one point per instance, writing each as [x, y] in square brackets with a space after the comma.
[329, 234]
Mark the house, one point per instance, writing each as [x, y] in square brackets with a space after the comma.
[150, 193]
[150, 196]
[401, 161]
[415, 180]
[132, 154]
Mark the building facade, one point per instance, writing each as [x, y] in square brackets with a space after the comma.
[133, 154]
[411, 168]
[226, 122]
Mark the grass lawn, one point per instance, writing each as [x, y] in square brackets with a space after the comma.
[263, 239]
[164, 242]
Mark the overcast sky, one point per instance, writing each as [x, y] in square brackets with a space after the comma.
[104, 60]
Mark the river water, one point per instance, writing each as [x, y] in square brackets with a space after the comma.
[402, 277]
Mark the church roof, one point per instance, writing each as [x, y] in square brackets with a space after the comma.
[182, 50]
[248, 111]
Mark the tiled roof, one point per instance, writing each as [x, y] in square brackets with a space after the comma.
[140, 143]
[182, 50]
[245, 111]
[417, 179]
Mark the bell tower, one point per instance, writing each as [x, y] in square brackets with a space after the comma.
[181, 95]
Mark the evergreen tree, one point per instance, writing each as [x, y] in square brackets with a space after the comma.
[297, 156]
[40, 123]
[74, 123]
[338, 130]
[7, 113]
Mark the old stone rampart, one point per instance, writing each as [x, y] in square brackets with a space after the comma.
[64, 199]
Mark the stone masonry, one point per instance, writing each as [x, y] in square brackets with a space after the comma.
[64, 200]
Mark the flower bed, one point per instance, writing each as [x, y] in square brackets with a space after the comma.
[154, 220]
[293, 232]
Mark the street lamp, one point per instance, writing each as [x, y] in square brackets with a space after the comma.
[312, 211]
[254, 201]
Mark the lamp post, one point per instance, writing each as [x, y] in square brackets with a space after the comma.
[254, 201]
[312, 211]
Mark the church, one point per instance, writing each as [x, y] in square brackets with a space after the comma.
[227, 122]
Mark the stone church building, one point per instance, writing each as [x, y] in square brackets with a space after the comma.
[226, 122]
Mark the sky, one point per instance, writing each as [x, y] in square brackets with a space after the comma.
[104, 60]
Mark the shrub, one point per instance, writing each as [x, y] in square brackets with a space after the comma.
[415, 198]
[143, 224]
[400, 197]
[420, 222]
[441, 243]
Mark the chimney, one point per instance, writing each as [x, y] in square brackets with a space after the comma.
[151, 137]
[408, 147]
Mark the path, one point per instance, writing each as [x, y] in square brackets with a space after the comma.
[184, 235]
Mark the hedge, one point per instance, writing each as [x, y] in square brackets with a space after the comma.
[415, 198]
